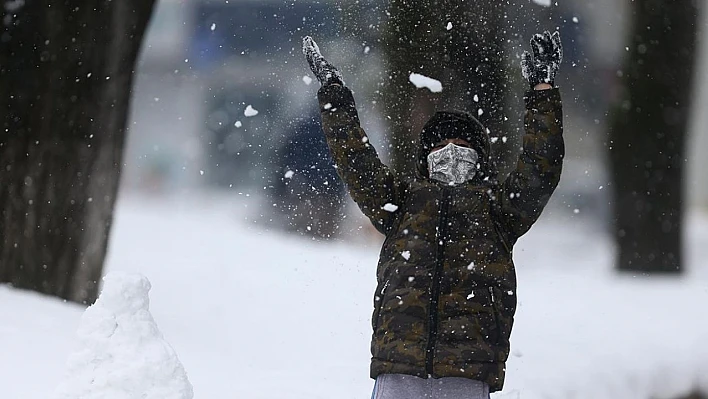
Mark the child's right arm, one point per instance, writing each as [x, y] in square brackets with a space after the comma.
[372, 185]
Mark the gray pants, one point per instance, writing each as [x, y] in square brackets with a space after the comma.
[401, 386]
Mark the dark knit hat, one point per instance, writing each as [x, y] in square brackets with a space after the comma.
[446, 125]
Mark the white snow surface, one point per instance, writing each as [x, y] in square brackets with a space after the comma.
[260, 315]
[121, 352]
[422, 81]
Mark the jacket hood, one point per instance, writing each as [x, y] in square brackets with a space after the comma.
[445, 125]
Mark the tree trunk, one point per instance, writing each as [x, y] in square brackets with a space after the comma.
[647, 136]
[466, 59]
[66, 70]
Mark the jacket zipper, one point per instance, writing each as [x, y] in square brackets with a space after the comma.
[500, 233]
[497, 314]
[379, 304]
[435, 286]
[497, 226]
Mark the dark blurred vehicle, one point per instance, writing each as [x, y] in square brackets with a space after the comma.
[248, 53]
[307, 192]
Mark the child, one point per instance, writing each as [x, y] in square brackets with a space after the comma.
[446, 295]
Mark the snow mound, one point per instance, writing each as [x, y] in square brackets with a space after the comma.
[421, 81]
[122, 354]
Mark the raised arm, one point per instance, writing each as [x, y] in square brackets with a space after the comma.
[526, 191]
[373, 186]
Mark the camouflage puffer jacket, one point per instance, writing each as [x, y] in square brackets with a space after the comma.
[446, 295]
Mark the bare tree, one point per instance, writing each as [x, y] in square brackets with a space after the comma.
[66, 70]
[647, 135]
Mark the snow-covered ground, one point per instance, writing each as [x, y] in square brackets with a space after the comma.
[257, 314]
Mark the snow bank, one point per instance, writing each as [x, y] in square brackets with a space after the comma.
[122, 354]
[422, 81]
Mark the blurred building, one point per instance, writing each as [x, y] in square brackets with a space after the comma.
[204, 63]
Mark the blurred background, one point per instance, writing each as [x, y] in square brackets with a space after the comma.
[204, 62]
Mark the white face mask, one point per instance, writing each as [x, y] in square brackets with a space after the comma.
[453, 164]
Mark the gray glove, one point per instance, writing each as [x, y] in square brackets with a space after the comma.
[325, 72]
[547, 57]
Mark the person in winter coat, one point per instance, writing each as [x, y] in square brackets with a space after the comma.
[446, 295]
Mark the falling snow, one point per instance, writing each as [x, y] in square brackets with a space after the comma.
[389, 207]
[422, 81]
[250, 111]
[603, 300]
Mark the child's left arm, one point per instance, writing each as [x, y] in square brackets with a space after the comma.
[527, 189]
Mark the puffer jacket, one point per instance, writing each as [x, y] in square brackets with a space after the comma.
[446, 295]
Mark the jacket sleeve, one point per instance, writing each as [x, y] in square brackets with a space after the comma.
[527, 189]
[372, 185]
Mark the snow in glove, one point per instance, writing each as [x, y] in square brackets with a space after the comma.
[325, 72]
[541, 67]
